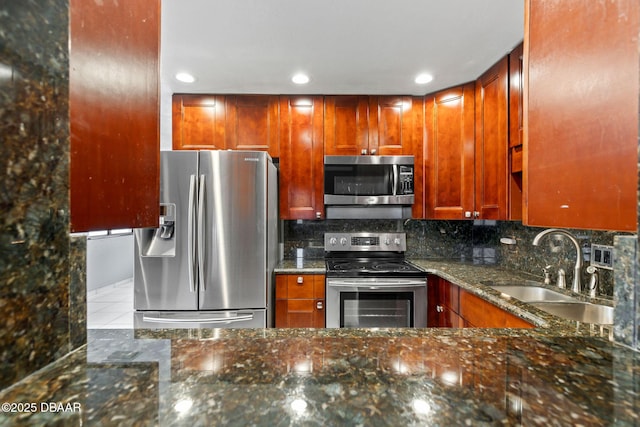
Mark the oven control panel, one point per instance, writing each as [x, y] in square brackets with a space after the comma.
[371, 242]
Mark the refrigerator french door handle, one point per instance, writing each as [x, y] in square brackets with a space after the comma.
[201, 233]
[191, 233]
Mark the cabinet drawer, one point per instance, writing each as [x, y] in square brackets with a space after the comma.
[305, 286]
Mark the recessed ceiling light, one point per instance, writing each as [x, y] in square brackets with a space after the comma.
[300, 79]
[423, 78]
[185, 78]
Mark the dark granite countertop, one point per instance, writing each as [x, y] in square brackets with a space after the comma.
[331, 377]
[476, 279]
[558, 373]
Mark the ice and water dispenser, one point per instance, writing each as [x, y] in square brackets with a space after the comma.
[161, 241]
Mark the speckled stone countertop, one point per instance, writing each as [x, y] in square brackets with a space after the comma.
[331, 377]
[555, 374]
[476, 279]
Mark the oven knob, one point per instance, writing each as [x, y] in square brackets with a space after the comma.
[396, 241]
[387, 241]
[333, 241]
[343, 241]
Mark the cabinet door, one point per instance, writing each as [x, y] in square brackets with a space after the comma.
[346, 125]
[516, 129]
[301, 157]
[492, 142]
[114, 114]
[581, 114]
[300, 301]
[390, 125]
[449, 159]
[479, 313]
[252, 123]
[198, 122]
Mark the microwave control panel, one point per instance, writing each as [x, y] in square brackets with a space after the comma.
[406, 180]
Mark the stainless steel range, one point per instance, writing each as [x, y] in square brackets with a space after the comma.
[370, 284]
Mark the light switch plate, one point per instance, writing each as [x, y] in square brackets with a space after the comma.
[602, 256]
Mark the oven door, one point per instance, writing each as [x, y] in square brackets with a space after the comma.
[376, 303]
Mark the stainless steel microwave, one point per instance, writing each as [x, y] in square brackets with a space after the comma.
[373, 182]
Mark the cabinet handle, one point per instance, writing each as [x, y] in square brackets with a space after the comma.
[300, 280]
[319, 305]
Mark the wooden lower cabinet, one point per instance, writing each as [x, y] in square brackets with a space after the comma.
[442, 303]
[300, 301]
[452, 307]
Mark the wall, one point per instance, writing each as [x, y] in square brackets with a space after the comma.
[109, 260]
[42, 301]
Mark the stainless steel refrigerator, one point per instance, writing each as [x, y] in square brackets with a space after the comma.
[211, 261]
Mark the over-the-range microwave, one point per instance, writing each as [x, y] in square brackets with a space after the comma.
[368, 186]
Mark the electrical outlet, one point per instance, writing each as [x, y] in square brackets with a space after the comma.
[602, 256]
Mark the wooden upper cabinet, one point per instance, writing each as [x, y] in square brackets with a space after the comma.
[252, 123]
[301, 157]
[114, 114]
[198, 122]
[516, 92]
[516, 129]
[492, 142]
[449, 158]
[390, 125]
[581, 114]
[346, 125]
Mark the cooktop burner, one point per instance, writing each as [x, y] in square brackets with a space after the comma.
[371, 267]
[368, 254]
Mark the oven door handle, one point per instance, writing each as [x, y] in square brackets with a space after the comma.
[377, 284]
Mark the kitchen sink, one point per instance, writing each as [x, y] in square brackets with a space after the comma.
[531, 293]
[578, 311]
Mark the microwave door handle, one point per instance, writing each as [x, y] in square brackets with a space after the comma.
[394, 176]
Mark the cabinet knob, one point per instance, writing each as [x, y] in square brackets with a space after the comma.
[363, 152]
[300, 280]
[439, 308]
[373, 151]
[318, 215]
[476, 214]
[467, 214]
[319, 305]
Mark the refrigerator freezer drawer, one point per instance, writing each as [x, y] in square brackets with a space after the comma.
[200, 319]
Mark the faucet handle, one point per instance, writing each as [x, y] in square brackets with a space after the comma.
[562, 282]
[547, 275]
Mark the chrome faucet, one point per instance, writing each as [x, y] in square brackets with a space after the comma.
[577, 270]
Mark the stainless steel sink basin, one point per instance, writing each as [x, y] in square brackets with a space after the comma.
[578, 311]
[531, 293]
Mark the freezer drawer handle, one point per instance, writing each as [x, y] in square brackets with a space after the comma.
[218, 320]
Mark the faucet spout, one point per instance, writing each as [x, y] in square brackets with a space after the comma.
[577, 270]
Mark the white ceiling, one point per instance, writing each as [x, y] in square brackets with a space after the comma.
[346, 46]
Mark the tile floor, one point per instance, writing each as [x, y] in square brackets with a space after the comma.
[111, 307]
